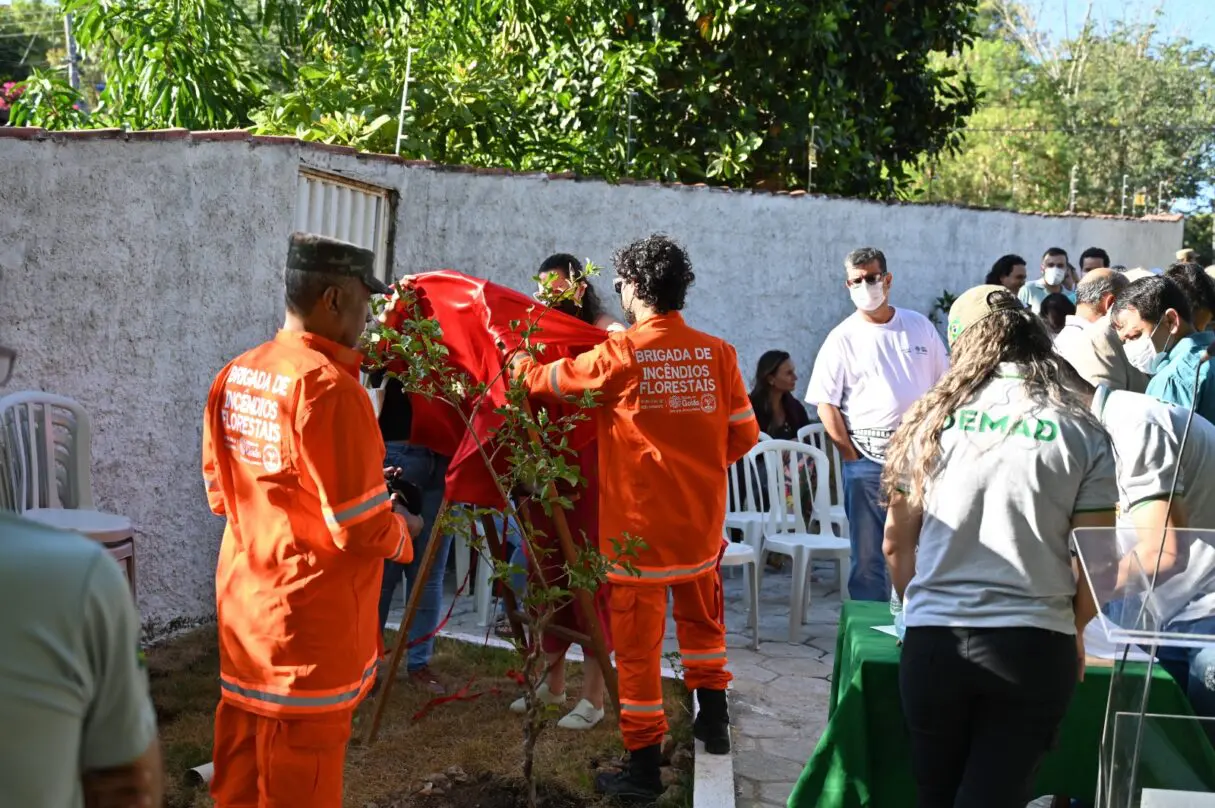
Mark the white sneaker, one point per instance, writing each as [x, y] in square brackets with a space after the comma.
[582, 717]
[519, 705]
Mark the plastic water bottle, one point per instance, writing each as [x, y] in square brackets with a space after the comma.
[896, 611]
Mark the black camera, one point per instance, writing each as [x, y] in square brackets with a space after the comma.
[410, 493]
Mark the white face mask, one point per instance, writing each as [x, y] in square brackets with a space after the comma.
[1054, 275]
[1141, 352]
[868, 296]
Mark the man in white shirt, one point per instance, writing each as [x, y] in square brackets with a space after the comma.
[871, 369]
[1094, 295]
[1054, 274]
[78, 727]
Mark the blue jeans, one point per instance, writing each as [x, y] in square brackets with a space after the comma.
[427, 470]
[518, 558]
[1193, 668]
[868, 578]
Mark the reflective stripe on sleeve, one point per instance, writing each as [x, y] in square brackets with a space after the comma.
[552, 380]
[357, 510]
[212, 483]
[742, 415]
[404, 538]
[702, 656]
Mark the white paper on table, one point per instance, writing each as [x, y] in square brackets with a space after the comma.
[1097, 645]
[1158, 798]
[887, 630]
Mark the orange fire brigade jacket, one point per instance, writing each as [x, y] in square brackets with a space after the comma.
[672, 415]
[292, 456]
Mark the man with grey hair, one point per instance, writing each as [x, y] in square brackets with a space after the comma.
[871, 369]
[1094, 295]
[1088, 341]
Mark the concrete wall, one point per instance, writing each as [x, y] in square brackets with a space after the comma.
[132, 268]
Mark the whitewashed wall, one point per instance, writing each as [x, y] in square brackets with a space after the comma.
[133, 267]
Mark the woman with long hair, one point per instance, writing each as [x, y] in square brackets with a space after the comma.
[987, 476]
[557, 274]
[778, 411]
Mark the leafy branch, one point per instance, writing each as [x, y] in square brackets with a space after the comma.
[530, 462]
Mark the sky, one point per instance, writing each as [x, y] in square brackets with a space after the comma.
[1192, 18]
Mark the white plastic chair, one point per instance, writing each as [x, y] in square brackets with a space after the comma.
[46, 471]
[816, 436]
[745, 556]
[483, 586]
[47, 451]
[744, 486]
[788, 459]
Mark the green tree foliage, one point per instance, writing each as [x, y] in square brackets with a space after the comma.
[29, 30]
[1199, 236]
[1127, 102]
[702, 90]
[171, 62]
[724, 91]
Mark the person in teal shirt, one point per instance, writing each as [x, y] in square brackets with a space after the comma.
[1154, 320]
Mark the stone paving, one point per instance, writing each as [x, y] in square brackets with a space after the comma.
[780, 693]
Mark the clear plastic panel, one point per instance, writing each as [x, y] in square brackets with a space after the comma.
[1165, 761]
[1145, 596]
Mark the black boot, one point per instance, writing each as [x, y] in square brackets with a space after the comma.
[712, 725]
[641, 779]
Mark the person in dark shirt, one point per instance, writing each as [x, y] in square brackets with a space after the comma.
[427, 470]
[1055, 310]
[778, 411]
[780, 416]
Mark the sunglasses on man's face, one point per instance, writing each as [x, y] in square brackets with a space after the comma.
[617, 285]
[869, 279]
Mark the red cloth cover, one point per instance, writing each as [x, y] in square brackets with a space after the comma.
[475, 315]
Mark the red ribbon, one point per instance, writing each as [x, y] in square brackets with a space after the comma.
[460, 695]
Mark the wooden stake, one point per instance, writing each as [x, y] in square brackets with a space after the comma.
[595, 637]
[585, 600]
[411, 610]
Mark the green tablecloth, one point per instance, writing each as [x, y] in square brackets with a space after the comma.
[863, 757]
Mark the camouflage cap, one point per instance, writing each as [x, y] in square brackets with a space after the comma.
[977, 304]
[309, 252]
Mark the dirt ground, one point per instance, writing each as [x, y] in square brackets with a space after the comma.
[479, 736]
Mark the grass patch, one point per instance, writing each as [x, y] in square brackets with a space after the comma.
[480, 736]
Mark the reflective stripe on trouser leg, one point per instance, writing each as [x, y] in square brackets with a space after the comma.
[639, 616]
[702, 634]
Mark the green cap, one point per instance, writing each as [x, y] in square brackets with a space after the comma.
[309, 252]
[978, 304]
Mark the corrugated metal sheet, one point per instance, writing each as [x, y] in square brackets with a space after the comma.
[333, 206]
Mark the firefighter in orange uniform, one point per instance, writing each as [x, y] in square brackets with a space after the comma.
[292, 456]
[673, 415]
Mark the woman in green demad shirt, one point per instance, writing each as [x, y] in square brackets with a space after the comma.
[988, 475]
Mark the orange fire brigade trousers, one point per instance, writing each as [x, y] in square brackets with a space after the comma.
[278, 763]
[639, 618]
